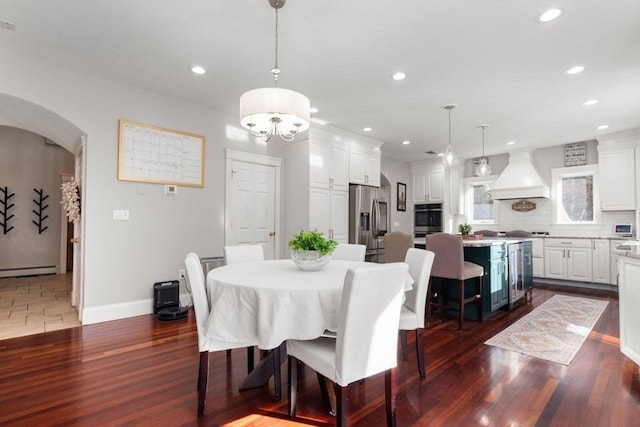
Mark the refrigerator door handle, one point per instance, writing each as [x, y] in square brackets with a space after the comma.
[376, 218]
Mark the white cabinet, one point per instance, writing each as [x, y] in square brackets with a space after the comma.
[428, 185]
[364, 167]
[329, 165]
[617, 179]
[568, 259]
[629, 297]
[538, 256]
[615, 256]
[601, 261]
[329, 213]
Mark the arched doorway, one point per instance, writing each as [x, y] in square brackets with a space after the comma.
[22, 114]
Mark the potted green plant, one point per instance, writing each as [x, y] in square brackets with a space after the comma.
[465, 230]
[310, 250]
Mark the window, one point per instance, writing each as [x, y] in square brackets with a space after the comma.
[575, 196]
[481, 207]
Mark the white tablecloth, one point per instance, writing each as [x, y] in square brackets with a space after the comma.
[267, 302]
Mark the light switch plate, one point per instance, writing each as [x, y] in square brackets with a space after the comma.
[121, 215]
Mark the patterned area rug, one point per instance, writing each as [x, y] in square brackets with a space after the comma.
[553, 331]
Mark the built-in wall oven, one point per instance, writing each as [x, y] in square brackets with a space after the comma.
[427, 219]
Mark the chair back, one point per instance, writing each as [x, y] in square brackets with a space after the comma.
[396, 245]
[243, 253]
[449, 260]
[420, 263]
[517, 233]
[349, 252]
[367, 337]
[195, 283]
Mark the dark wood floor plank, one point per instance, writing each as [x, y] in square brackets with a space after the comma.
[140, 371]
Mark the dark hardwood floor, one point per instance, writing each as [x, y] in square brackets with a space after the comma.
[140, 371]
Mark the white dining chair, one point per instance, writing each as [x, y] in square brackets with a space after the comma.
[367, 337]
[413, 310]
[349, 252]
[243, 253]
[195, 279]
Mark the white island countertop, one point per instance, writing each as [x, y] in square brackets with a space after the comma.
[482, 242]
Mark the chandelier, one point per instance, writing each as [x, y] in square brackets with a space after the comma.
[450, 158]
[483, 169]
[273, 110]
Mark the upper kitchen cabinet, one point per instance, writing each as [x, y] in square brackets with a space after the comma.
[328, 165]
[617, 165]
[428, 182]
[364, 166]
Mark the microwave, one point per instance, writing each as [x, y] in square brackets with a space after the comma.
[623, 230]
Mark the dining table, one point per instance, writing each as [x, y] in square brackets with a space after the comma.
[265, 303]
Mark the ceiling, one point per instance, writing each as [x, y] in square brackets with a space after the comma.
[492, 58]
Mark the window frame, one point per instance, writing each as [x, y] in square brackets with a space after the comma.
[473, 182]
[557, 174]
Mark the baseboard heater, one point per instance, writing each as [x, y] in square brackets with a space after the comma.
[28, 271]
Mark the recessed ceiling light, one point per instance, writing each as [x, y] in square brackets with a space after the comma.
[590, 102]
[603, 127]
[549, 15]
[198, 69]
[399, 76]
[313, 110]
[406, 142]
[367, 129]
[575, 70]
[511, 143]
[440, 154]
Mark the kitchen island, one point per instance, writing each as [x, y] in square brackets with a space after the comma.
[508, 272]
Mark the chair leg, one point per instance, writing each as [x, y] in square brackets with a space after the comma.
[390, 396]
[403, 342]
[461, 303]
[203, 378]
[250, 359]
[293, 385]
[479, 301]
[341, 403]
[420, 353]
[329, 399]
[277, 379]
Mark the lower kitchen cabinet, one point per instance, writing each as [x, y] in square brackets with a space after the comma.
[601, 261]
[493, 259]
[629, 297]
[568, 259]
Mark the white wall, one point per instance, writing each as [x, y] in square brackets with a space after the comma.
[398, 171]
[26, 162]
[124, 258]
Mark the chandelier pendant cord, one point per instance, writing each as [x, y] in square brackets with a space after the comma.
[275, 70]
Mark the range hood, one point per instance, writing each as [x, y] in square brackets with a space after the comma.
[519, 180]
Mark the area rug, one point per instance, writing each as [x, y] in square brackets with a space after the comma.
[553, 331]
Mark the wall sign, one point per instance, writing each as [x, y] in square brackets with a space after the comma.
[523, 206]
[157, 155]
[575, 154]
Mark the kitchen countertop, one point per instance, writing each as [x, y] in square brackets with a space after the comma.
[481, 243]
[633, 252]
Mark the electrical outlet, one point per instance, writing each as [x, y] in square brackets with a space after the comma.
[181, 273]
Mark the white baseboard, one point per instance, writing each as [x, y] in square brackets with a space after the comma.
[28, 271]
[106, 313]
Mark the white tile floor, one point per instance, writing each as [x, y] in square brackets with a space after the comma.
[31, 305]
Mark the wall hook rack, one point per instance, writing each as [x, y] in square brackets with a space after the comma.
[4, 209]
[39, 210]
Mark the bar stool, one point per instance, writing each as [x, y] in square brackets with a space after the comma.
[396, 245]
[449, 264]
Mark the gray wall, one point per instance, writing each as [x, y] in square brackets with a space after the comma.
[26, 162]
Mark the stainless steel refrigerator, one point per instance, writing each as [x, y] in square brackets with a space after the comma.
[369, 219]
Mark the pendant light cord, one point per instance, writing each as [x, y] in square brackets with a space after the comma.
[449, 126]
[275, 70]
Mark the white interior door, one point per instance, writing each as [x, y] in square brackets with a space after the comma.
[252, 206]
[77, 292]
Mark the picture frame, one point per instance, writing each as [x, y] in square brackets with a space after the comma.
[401, 203]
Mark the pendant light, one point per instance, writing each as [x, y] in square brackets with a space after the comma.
[483, 169]
[273, 110]
[450, 158]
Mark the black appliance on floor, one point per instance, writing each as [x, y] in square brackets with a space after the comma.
[166, 301]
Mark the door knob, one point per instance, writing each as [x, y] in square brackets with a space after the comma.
[75, 240]
[272, 233]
